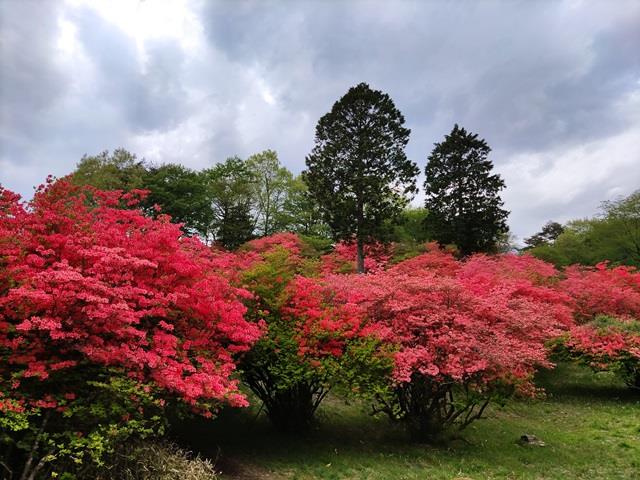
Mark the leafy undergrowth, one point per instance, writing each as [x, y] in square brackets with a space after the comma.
[589, 422]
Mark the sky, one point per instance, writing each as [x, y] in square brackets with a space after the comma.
[552, 86]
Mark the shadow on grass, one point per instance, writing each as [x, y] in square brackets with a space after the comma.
[237, 431]
[578, 383]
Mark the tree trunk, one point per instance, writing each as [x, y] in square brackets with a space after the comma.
[359, 239]
[360, 256]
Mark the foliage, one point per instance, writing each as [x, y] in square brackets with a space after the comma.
[601, 290]
[411, 226]
[229, 190]
[343, 258]
[613, 235]
[182, 194]
[311, 344]
[606, 302]
[270, 188]
[120, 170]
[358, 172]
[549, 233]
[300, 213]
[462, 195]
[466, 333]
[154, 460]
[106, 298]
[608, 344]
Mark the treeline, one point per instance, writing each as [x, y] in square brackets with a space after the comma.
[233, 201]
[228, 203]
[612, 235]
[357, 186]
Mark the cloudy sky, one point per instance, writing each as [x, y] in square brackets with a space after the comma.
[553, 86]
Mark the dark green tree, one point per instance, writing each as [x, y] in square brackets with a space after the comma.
[462, 195]
[229, 187]
[549, 233]
[120, 170]
[181, 193]
[358, 172]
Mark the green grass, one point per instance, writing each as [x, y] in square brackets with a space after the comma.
[589, 422]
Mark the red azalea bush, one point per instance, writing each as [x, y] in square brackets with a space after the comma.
[602, 290]
[283, 240]
[465, 332]
[312, 344]
[344, 256]
[608, 344]
[96, 297]
[606, 302]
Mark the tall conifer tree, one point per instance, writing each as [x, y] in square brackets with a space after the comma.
[358, 171]
[462, 194]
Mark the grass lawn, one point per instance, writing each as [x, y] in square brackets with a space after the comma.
[589, 422]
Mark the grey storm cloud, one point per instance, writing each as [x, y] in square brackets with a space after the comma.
[553, 86]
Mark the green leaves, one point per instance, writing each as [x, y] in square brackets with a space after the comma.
[613, 235]
[358, 172]
[462, 195]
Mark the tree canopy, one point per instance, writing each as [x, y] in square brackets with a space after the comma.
[358, 171]
[462, 194]
[613, 235]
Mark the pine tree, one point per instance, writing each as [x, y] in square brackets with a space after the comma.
[358, 172]
[462, 195]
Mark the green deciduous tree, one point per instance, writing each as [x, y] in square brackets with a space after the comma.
[300, 213]
[462, 194]
[120, 170]
[612, 235]
[358, 171]
[270, 184]
[229, 188]
[625, 213]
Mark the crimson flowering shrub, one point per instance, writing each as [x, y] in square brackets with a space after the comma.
[464, 333]
[606, 302]
[287, 241]
[106, 314]
[602, 290]
[344, 256]
[312, 344]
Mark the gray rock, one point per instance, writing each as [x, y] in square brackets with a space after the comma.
[530, 440]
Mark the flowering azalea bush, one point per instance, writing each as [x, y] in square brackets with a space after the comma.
[606, 302]
[608, 344]
[602, 290]
[343, 257]
[105, 315]
[312, 344]
[465, 333]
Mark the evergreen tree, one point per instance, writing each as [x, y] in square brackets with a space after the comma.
[549, 233]
[358, 172]
[462, 195]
